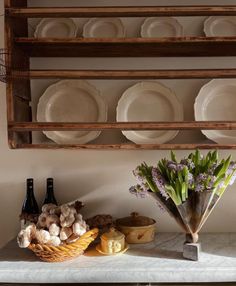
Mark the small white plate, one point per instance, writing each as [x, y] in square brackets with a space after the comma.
[157, 27]
[216, 101]
[220, 26]
[56, 28]
[71, 101]
[149, 101]
[104, 28]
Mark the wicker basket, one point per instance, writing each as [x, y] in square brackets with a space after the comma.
[64, 252]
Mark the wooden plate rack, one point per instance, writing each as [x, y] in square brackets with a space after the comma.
[20, 48]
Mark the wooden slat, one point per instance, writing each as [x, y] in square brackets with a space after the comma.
[128, 47]
[126, 146]
[65, 126]
[125, 74]
[150, 11]
[17, 91]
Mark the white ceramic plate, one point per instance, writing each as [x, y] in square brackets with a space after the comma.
[56, 28]
[71, 101]
[157, 27]
[104, 28]
[220, 26]
[149, 101]
[217, 101]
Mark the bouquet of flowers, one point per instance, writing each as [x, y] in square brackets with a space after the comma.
[187, 189]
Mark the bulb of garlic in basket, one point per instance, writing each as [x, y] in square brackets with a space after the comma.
[26, 235]
[79, 227]
[42, 236]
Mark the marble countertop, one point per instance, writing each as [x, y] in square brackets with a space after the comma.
[160, 261]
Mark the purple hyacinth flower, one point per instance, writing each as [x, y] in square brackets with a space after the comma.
[138, 191]
[160, 182]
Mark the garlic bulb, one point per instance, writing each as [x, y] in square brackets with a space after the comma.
[23, 239]
[50, 219]
[65, 233]
[54, 241]
[54, 229]
[42, 236]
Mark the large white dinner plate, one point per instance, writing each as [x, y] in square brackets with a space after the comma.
[157, 27]
[220, 26]
[149, 101]
[216, 101]
[56, 28]
[104, 28]
[71, 101]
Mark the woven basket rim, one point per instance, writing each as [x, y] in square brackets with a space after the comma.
[90, 234]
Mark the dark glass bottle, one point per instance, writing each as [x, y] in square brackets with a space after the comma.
[30, 209]
[30, 205]
[50, 198]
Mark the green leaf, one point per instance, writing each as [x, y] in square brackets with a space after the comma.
[173, 156]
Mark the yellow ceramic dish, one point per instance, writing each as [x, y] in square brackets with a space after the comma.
[137, 229]
[98, 248]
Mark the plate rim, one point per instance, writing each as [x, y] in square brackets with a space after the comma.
[171, 20]
[86, 33]
[43, 101]
[140, 139]
[43, 22]
[210, 20]
[199, 115]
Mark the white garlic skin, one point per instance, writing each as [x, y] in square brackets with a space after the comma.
[48, 207]
[67, 221]
[54, 229]
[65, 233]
[23, 239]
[54, 241]
[78, 228]
[42, 236]
[52, 219]
[42, 220]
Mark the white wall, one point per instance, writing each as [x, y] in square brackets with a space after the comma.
[100, 178]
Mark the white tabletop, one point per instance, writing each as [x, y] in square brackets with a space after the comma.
[160, 261]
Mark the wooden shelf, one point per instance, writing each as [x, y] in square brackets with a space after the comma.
[21, 48]
[128, 47]
[123, 74]
[65, 126]
[150, 11]
[125, 146]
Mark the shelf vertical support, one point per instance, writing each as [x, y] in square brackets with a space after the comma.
[17, 90]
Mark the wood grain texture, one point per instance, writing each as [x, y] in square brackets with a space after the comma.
[124, 74]
[17, 90]
[119, 11]
[128, 47]
[65, 126]
[126, 146]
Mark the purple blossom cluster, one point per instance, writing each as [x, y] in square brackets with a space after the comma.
[159, 180]
[175, 180]
[188, 163]
[139, 191]
[173, 166]
[204, 181]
